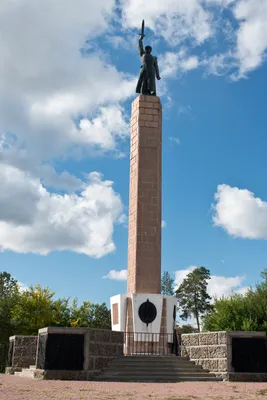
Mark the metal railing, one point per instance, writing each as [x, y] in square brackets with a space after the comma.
[156, 344]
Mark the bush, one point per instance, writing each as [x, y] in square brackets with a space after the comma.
[3, 356]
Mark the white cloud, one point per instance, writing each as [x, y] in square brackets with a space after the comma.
[199, 21]
[21, 159]
[23, 287]
[180, 62]
[45, 222]
[249, 40]
[240, 213]
[116, 275]
[163, 224]
[226, 286]
[45, 83]
[175, 140]
[252, 33]
[103, 130]
[181, 274]
[189, 63]
[220, 64]
[218, 286]
[174, 20]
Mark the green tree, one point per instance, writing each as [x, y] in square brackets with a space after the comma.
[242, 313]
[9, 295]
[61, 312]
[90, 315]
[187, 328]
[167, 284]
[34, 310]
[192, 297]
[229, 314]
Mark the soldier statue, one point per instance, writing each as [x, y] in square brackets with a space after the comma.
[149, 70]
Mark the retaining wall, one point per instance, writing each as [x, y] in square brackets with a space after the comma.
[22, 353]
[94, 349]
[213, 351]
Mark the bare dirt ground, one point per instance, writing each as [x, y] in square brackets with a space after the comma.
[15, 388]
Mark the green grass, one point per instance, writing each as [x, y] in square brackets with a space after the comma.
[261, 392]
[179, 398]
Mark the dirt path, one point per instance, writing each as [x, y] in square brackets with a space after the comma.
[15, 388]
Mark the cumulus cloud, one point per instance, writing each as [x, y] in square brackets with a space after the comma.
[240, 213]
[32, 220]
[249, 40]
[46, 84]
[198, 22]
[116, 275]
[175, 21]
[163, 224]
[180, 62]
[252, 33]
[59, 97]
[218, 286]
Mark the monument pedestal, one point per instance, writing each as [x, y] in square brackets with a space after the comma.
[147, 321]
[144, 314]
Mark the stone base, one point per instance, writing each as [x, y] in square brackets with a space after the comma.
[65, 375]
[141, 338]
[12, 370]
[247, 377]
[214, 351]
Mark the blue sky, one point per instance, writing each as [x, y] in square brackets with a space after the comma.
[67, 83]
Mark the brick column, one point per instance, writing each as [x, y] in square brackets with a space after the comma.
[144, 243]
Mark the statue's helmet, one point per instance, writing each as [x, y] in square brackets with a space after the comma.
[148, 49]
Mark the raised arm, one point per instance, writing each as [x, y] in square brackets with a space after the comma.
[140, 46]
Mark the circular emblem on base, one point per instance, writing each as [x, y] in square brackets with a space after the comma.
[147, 312]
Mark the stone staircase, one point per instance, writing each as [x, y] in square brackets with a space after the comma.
[26, 372]
[154, 369]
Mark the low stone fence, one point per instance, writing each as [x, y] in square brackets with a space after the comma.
[75, 353]
[21, 353]
[214, 351]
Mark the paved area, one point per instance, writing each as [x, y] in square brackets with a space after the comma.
[15, 388]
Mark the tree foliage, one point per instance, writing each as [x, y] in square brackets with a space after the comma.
[24, 313]
[90, 315]
[9, 294]
[34, 310]
[192, 297]
[246, 312]
[167, 284]
[187, 328]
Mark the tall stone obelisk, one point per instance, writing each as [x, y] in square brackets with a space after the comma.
[144, 238]
[144, 314]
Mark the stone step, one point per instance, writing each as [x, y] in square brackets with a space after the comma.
[153, 365]
[152, 361]
[156, 375]
[32, 367]
[155, 369]
[25, 373]
[116, 367]
[154, 358]
[185, 378]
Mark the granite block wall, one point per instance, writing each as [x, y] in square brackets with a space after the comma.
[213, 351]
[22, 353]
[99, 349]
[207, 349]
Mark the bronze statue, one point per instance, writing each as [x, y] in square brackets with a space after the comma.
[149, 70]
